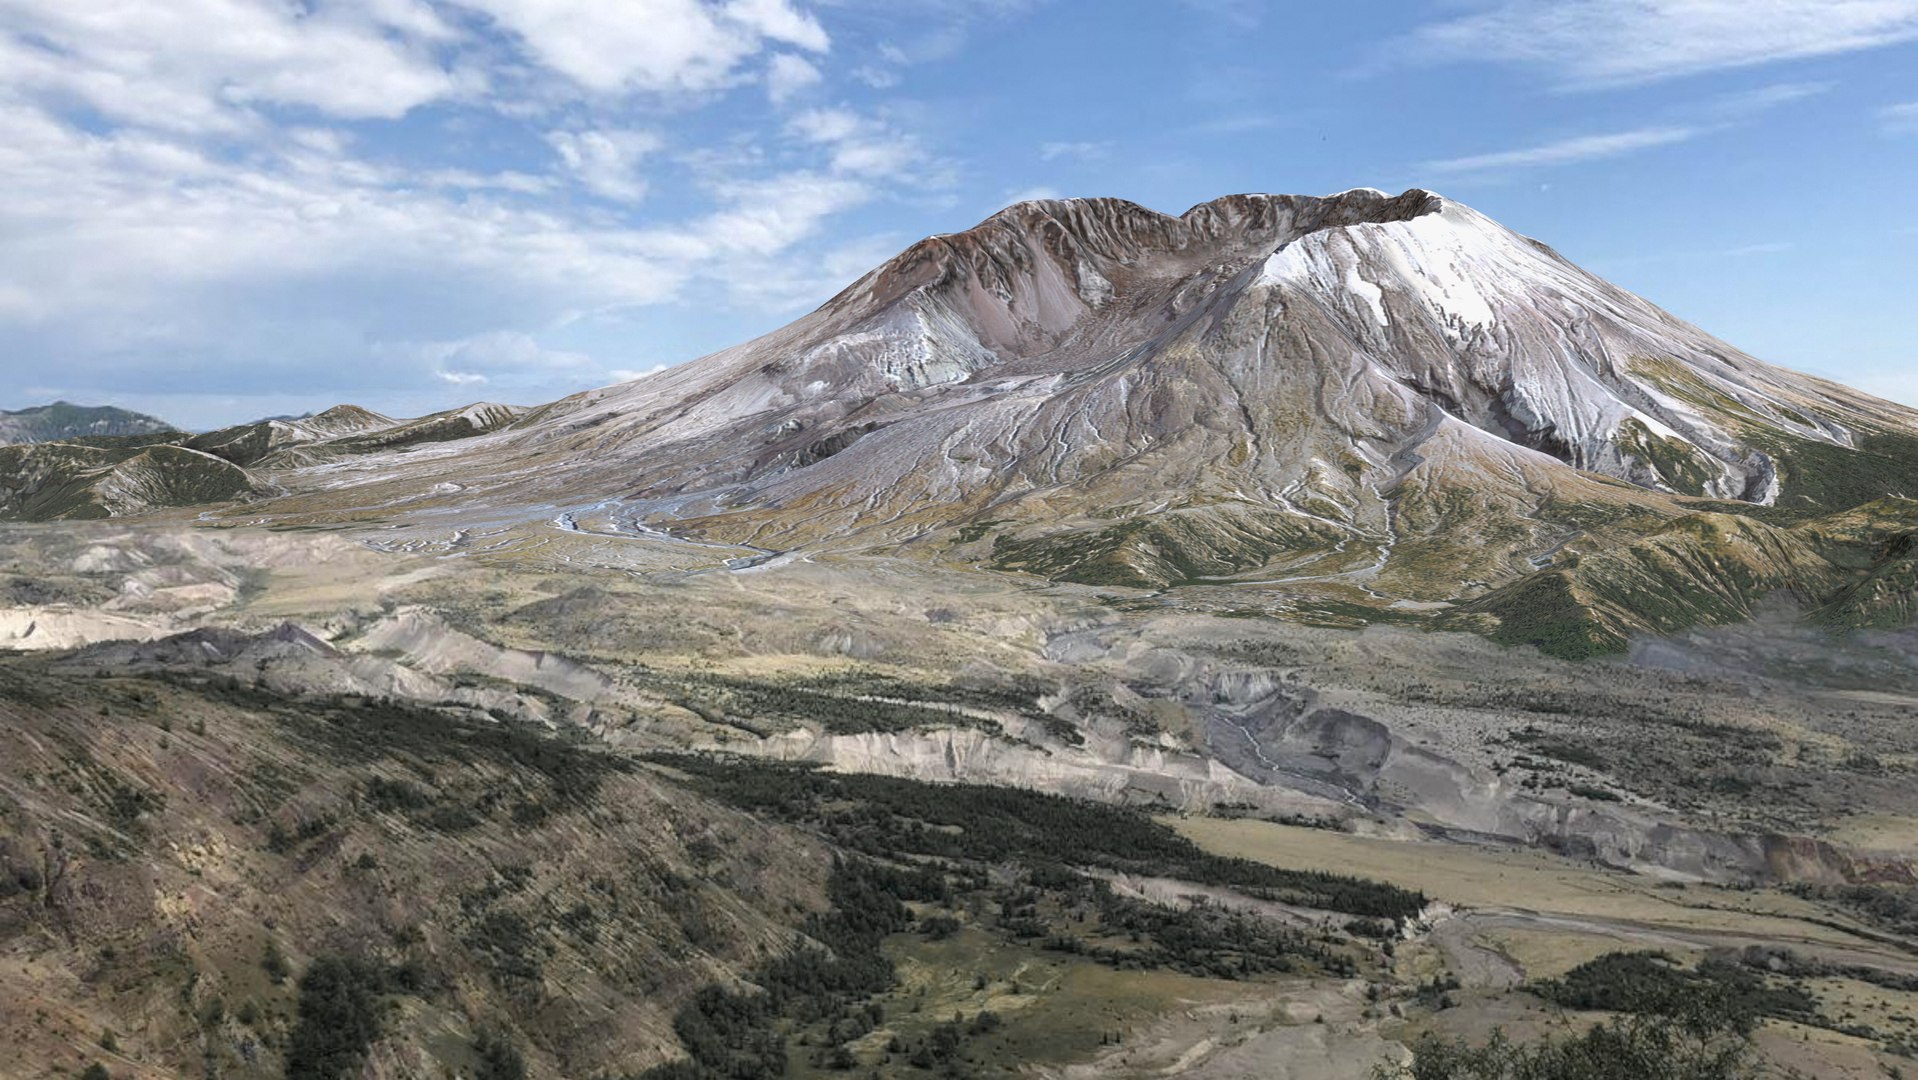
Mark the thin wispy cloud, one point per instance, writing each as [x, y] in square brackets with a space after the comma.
[1565, 151]
[789, 74]
[1723, 112]
[1238, 124]
[1752, 250]
[607, 163]
[1081, 151]
[1899, 119]
[1745, 103]
[1608, 42]
[655, 45]
[1031, 194]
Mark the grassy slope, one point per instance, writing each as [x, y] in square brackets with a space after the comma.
[62, 481]
[1855, 569]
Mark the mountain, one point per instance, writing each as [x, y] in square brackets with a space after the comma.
[1355, 406]
[61, 421]
[1371, 399]
[346, 430]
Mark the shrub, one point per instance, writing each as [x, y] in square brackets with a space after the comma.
[339, 1017]
[273, 962]
[499, 1058]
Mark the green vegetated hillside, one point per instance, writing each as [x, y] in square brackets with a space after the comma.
[60, 481]
[1854, 569]
[1836, 538]
[1815, 476]
[199, 878]
[204, 878]
[1165, 549]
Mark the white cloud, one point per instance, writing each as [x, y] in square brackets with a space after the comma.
[882, 71]
[629, 374]
[1747, 102]
[134, 246]
[652, 45]
[1032, 194]
[254, 184]
[1899, 119]
[826, 125]
[1565, 151]
[879, 78]
[606, 162]
[780, 21]
[124, 223]
[208, 65]
[198, 65]
[760, 218]
[788, 74]
[789, 285]
[1597, 42]
[507, 358]
[1083, 151]
[860, 146]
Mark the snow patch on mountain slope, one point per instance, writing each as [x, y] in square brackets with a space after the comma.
[1370, 293]
[1449, 262]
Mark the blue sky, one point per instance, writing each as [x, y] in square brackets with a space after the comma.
[220, 209]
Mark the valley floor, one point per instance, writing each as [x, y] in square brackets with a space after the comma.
[540, 802]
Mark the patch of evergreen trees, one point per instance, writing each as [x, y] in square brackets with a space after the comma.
[888, 816]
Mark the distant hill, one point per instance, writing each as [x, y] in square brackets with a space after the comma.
[59, 481]
[114, 474]
[64, 420]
